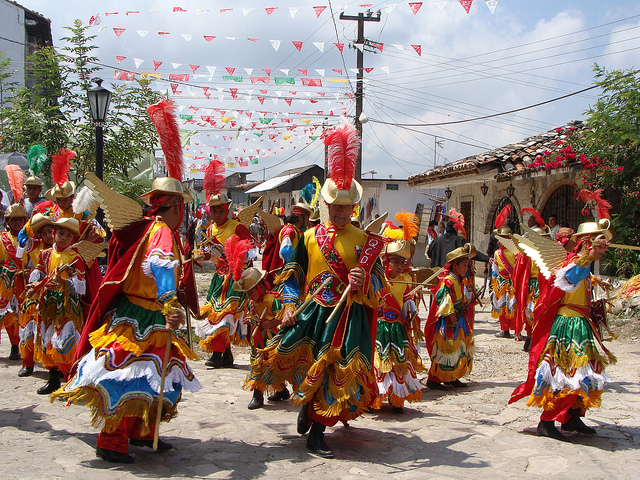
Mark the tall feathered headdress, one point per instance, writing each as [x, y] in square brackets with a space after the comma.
[316, 183]
[409, 222]
[594, 201]
[163, 116]
[235, 251]
[36, 157]
[458, 220]
[16, 181]
[534, 213]
[502, 217]
[60, 166]
[343, 145]
[213, 178]
[307, 192]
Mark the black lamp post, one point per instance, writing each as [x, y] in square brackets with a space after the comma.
[510, 190]
[447, 193]
[99, 98]
[484, 188]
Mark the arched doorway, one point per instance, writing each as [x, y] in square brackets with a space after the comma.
[563, 204]
[513, 215]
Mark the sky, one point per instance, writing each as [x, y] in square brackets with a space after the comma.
[436, 64]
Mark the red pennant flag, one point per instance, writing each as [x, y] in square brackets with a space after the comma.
[264, 92]
[379, 46]
[252, 39]
[313, 101]
[261, 100]
[293, 93]
[156, 65]
[415, 6]
[174, 87]
[179, 77]
[119, 58]
[234, 92]
[205, 90]
[337, 70]
[466, 4]
[270, 10]
[178, 9]
[368, 70]
[319, 11]
[124, 75]
[208, 38]
[260, 79]
[267, 71]
[194, 68]
[106, 14]
[340, 46]
[298, 45]
[322, 94]
[118, 31]
[418, 49]
[303, 71]
[230, 70]
[312, 82]
[164, 33]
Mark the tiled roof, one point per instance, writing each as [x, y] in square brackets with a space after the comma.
[506, 161]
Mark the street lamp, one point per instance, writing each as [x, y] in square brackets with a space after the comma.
[484, 188]
[447, 193]
[99, 98]
[510, 190]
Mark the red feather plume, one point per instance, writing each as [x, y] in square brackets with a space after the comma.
[163, 116]
[15, 175]
[534, 213]
[458, 221]
[60, 165]
[42, 207]
[213, 178]
[235, 251]
[602, 205]
[409, 222]
[502, 217]
[343, 146]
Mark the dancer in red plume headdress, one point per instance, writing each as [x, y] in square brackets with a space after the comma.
[121, 361]
[326, 349]
[397, 360]
[225, 309]
[503, 295]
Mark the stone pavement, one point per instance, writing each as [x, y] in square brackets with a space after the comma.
[465, 433]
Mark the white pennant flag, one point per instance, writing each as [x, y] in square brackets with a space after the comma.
[286, 114]
[337, 95]
[399, 47]
[247, 11]
[200, 11]
[220, 89]
[176, 65]
[301, 100]
[187, 36]
[354, 70]
[492, 4]
[275, 44]
[308, 94]
[275, 101]
[142, 33]
[220, 97]
[389, 8]
[279, 93]
[211, 69]
[359, 46]
[192, 90]
[248, 98]
[248, 70]
[230, 38]
[293, 11]
[284, 70]
[320, 46]
[250, 91]
[180, 108]
[440, 3]
[161, 85]
[138, 62]
[342, 9]
[102, 27]
[320, 71]
[385, 70]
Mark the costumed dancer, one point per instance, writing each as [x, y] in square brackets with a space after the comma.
[566, 370]
[449, 327]
[326, 350]
[262, 308]
[41, 238]
[129, 336]
[397, 360]
[12, 273]
[503, 295]
[57, 283]
[224, 311]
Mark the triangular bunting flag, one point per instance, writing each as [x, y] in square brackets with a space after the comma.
[275, 44]
[267, 71]
[247, 11]
[293, 11]
[368, 70]
[298, 45]
[120, 58]
[466, 4]
[320, 71]
[320, 46]
[284, 70]
[194, 68]
[339, 46]
[385, 70]
[319, 10]
[303, 71]
[175, 65]
[337, 70]
[398, 47]
[118, 31]
[389, 8]
[440, 3]
[270, 10]
[359, 46]
[187, 36]
[254, 40]
[156, 65]
[288, 100]
[415, 6]
[249, 71]
[142, 33]
[230, 70]
[208, 38]
[491, 4]
[418, 49]
[211, 69]
[138, 62]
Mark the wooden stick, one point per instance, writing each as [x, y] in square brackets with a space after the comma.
[165, 367]
[437, 272]
[307, 300]
[253, 332]
[628, 247]
[340, 302]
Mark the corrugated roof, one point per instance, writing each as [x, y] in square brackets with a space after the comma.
[272, 183]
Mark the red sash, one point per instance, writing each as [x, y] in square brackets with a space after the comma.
[505, 262]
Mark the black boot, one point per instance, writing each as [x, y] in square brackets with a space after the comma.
[575, 424]
[15, 353]
[456, 383]
[227, 358]
[280, 395]
[257, 401]
[162, 445]
[316, 443]
[304, 422]
[52, 384]
[435, 385]
[503, 334]
[548, 429]
[25, 371]
[527, 344]
[215, 361]
[113, 456]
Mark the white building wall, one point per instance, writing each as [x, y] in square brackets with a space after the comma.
[387, 199]
[12, 45]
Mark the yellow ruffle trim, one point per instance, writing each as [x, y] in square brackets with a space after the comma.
[138, 408]
[569, 361]
[125, 337]
[547, 400]
[398, 367]
[395, 400]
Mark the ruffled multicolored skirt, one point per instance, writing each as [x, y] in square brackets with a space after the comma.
[571, 365]
[396, 364]
[28, 327]
[120, 377]
[329, 365]
[225, 313]
[453, 349]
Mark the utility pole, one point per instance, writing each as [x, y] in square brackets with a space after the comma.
[436, 144]
[361, 18]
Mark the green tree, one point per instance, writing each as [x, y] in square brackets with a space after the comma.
[55, 113]
[614, 137]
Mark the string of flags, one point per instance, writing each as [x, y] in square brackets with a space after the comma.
[318, 10]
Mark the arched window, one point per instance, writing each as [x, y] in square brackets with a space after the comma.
[563, 204]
